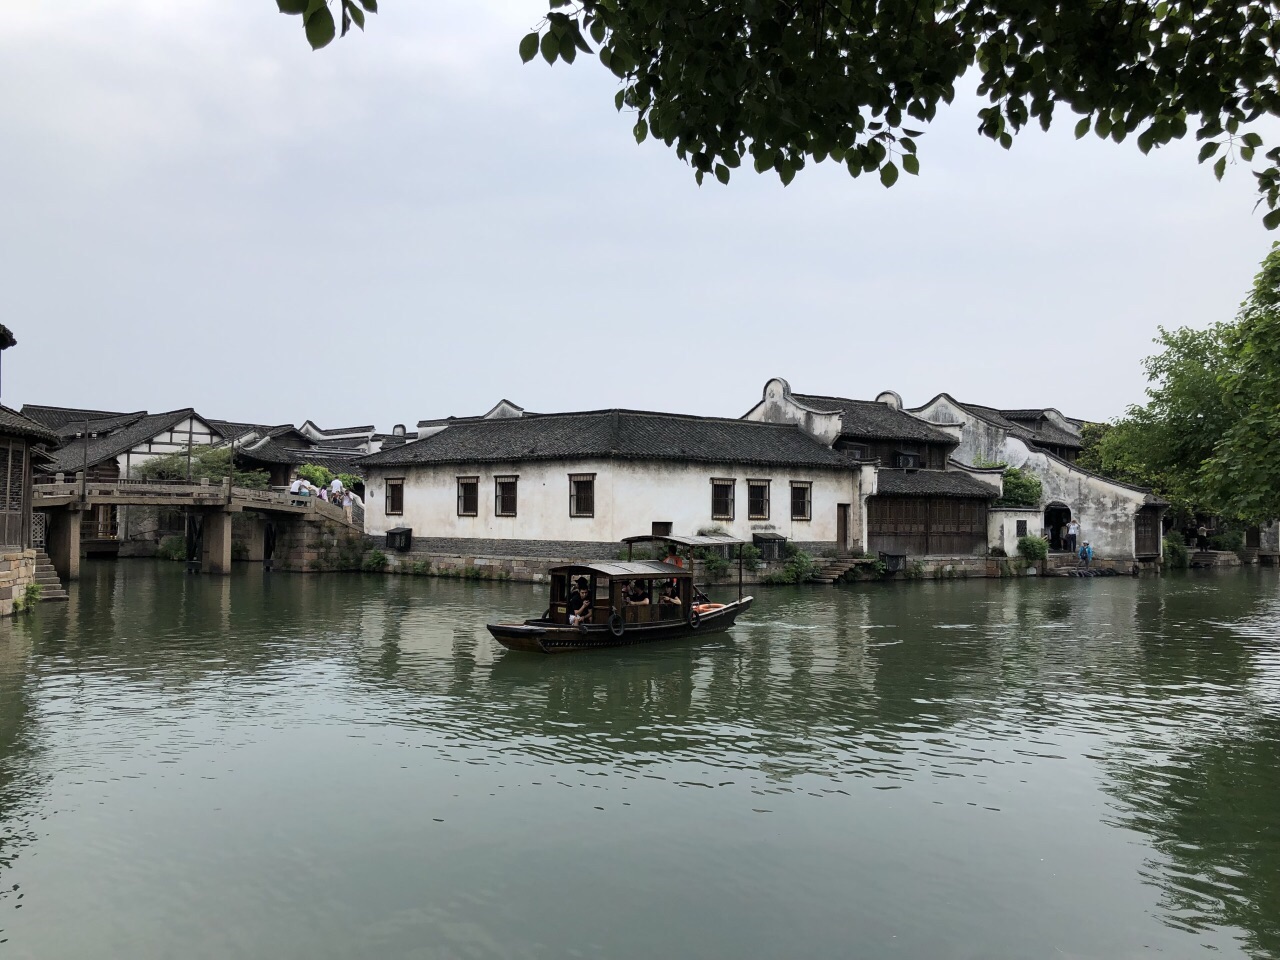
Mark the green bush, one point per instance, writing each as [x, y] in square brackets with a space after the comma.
[349, 480]
[172, 548]
[375, 561]
[1176, 554]
[1228, 539]
[30, 597]
[714, 561]
[1033, 549]
[798, 568]
[1021, 489]
[239, 550]
[420, 568]
[750, 557]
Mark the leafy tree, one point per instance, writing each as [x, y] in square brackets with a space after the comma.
[316, 474]
[1242, 476]
[207, 463]
[780, 83]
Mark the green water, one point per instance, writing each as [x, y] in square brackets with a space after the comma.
[285, 766]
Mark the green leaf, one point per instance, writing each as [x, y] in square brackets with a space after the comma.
[1208, 150]
[597, 30]
[1272, 219]
[722, 173]
[357, 15]
[320, 28]
[911, 164]
[370, 5]
[889, 174]
[1082, 127]
[568, 48]
[292, 7]
[1220, 167]
[550, 47]
[529, 47]
[641, 130]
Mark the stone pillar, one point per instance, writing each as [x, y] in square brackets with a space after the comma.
[217, 543]
[253, 530]
[62, 542]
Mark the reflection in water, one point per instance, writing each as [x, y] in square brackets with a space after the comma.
[350, 766]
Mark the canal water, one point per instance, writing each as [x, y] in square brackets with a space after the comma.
[286, 766]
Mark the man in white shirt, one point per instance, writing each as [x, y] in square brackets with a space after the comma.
[335, 487]
[1073, 531]
[299, 487]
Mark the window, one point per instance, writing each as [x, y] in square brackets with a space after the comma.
[504, 496]
[859, 452]
[1022, 528]
[582, 494]
[468, 496]
[801, 500]
[722, 499]
[903, 459]
[661, 528]
[395, 497]
[758, 499]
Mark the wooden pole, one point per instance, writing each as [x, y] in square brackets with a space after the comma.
[739, 571]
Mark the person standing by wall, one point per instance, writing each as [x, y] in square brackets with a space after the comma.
[1073, 531]
[1202, 538]
[1086, 555]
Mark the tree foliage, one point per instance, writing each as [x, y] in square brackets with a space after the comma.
[1208, 438]
[1021, 489]
[207, 463]
[781, 83]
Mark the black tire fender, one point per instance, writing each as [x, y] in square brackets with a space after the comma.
[694, 619]
[616, 626]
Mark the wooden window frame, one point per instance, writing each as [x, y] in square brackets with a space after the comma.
[499, 506]
[474, 483]
[1021, 527]
[575, 507]
[386, 503]
[732, 484]
[756, 485]
[807, 486]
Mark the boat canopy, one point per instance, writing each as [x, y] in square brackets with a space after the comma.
[631, 570]
[701, 540]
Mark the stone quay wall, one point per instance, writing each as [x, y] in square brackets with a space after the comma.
[17, 570]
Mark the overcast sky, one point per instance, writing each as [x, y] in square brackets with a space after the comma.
[199, 211]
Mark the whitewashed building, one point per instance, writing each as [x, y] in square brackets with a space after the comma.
[1120, 521]
[552, 482]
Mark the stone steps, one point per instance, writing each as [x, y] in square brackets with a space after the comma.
[832, 570]
[51, 587]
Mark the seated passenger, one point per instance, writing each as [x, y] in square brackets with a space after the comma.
[671, 594]
[638, 594]
[579, 605]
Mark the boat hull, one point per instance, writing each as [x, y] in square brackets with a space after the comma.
[542, 636]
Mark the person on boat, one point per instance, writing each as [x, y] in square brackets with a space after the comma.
[579, 605]
[673, 558]
[638, 594]
[671, 593]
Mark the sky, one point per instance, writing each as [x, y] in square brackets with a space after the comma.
[200, 211]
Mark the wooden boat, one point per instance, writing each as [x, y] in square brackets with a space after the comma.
[616, 622]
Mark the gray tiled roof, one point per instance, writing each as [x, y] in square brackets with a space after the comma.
[15, 424]
[610, 434]
[872, 420]
[72, 457]
[273, 451]
[931, 483]
[57, 417]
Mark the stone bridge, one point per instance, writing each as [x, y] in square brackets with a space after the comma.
[292, 532]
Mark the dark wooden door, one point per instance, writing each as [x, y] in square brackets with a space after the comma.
[926, 526]
[1146, 532]
[842, 527]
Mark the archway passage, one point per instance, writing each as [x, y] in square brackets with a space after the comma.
[1056, 517]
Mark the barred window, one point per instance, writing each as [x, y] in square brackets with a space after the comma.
[722, 499]
[758, 499]
[582, 494]
[468, 496]
[1022, 528]
[504, 500]
[395, 497]
[801, 500]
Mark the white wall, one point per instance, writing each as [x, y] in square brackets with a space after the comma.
[1002, 527]
[629, 498]
[979, 440]
[174, 440]
[778, 406]
[1105, 510]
